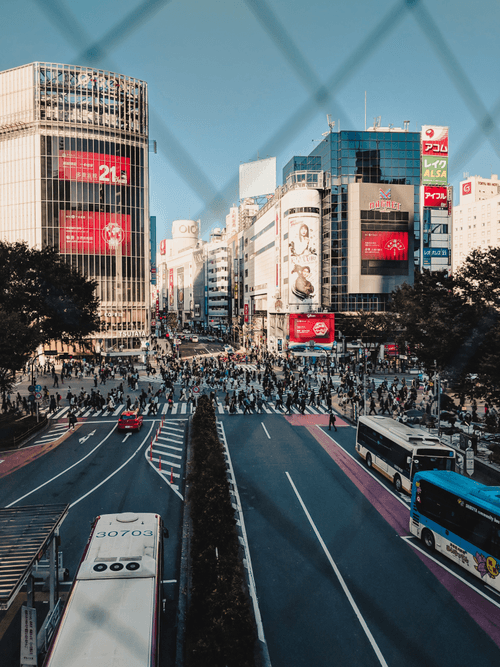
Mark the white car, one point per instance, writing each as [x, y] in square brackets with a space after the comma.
[229, 349]
[194, 339]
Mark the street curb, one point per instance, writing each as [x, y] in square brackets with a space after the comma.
[184, 563]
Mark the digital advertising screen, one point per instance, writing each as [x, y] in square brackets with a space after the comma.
[318, 327]
[94, 233]
[94, 168]
[384, 245]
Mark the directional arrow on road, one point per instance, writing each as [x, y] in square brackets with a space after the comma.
[127, 436]
[86, 437]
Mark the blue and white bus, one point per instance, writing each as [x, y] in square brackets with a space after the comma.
[459, 518]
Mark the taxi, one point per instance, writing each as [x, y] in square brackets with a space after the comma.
[130, 420]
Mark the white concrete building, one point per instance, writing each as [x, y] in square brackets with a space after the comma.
[476, 219]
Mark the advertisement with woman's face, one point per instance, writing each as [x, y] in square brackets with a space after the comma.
[303, 260]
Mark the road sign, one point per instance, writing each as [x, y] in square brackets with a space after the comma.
[196, 390]
[38, 387]
[469, 461]
[31, 387]
[38, 395]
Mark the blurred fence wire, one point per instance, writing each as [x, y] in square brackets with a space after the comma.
[318, 96]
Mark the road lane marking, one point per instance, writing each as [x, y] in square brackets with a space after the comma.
[412, 541]
[63, 472]
[265, 429]
[146, 438]
[339, 576]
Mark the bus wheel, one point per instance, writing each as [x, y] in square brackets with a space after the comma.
[428, 539]
[369, 462]
[397, 483]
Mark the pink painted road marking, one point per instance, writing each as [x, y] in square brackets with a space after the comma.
[398, 516]
[309, 420]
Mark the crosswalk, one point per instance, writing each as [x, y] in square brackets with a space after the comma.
[187, 408]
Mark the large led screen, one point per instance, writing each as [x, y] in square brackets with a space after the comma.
[94, 233]
[384, 245]
[317, 327]
[94, 168]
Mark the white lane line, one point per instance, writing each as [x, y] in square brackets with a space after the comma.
[411, 540]
[265, 429]
[63, 472]
[353, 604]
[114, 473]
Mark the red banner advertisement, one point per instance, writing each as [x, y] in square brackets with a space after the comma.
[163, 247]
[94, 168]
[391, 349]
[93, 233]
[434, 140]
[318, 327]
[245, 312]
[170, 287]
[384, 245]
[435, 197]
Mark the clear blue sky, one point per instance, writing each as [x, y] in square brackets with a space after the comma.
[226, 76]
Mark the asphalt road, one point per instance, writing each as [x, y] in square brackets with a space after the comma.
[97, 470]
[337, 582]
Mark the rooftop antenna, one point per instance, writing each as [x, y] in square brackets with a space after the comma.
[331, 123]
[406, 125]
[376, 122]
[365, 110]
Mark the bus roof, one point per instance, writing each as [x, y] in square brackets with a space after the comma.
[411, 435]
[107, 622]
[487, 496]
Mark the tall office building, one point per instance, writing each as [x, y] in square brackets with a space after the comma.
[476, 219]
[74, 175]
[372, 210]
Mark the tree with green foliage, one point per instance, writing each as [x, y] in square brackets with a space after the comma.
[42, 298]
[432, 317]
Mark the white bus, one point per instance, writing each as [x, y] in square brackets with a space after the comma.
[399, 451]
[112, 616]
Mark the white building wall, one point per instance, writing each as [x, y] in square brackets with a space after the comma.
[476, 219]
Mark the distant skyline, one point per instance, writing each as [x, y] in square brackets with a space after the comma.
[233, 80]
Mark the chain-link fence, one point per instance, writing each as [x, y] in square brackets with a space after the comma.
[318, 94]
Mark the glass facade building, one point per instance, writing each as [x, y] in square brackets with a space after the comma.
[349, 160]
[74, 175]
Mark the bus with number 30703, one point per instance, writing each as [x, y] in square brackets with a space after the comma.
[112, 615]
[399, 451]
[459, 518]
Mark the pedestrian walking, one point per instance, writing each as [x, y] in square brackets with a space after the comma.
[332, 420]
[72, 421]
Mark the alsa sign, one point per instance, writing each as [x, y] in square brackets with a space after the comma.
[435, 197]
[434, 140]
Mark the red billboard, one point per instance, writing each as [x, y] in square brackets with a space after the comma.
[434, 140]
[466, 188]
[384, 245]
[94, 233]
[317, 327]
[436, 197]
[94, 168]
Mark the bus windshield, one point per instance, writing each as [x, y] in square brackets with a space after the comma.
[432, 463]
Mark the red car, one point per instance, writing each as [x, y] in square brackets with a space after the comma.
[130, 421]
